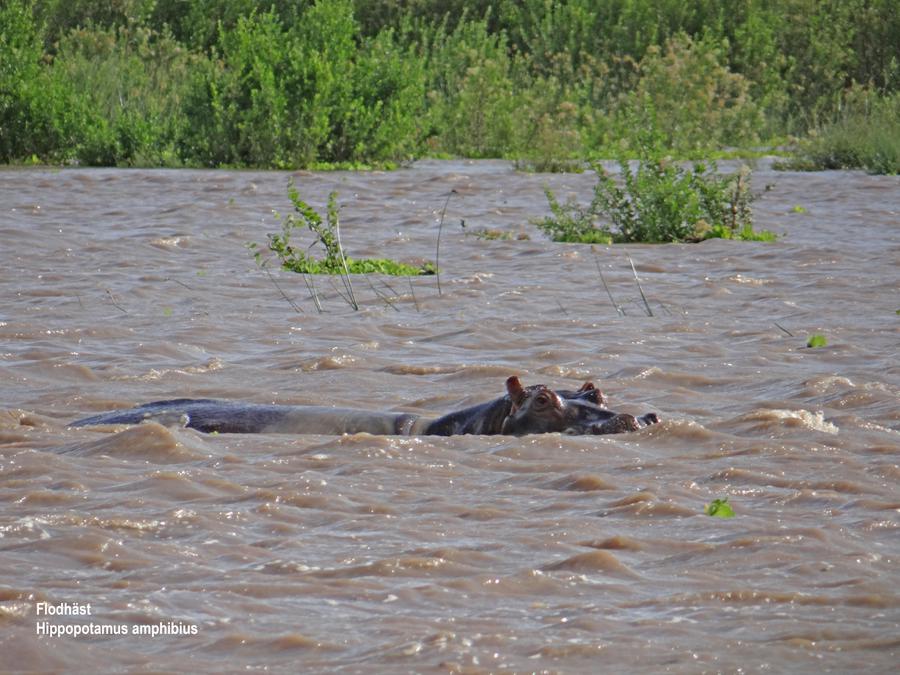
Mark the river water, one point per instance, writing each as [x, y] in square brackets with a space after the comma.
[464, 554]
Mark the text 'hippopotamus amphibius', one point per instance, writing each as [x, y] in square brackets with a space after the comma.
[522, 410]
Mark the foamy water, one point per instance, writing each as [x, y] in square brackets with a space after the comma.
[464, 554]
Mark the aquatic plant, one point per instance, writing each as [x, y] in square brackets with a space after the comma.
[659, 201]
[816, 341]
[328, 235]
[719, 508]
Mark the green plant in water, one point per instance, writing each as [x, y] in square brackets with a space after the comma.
[816, 341]
[658, 202]
[719, 508]
[572, 222]
[327, 233]
[493, 234]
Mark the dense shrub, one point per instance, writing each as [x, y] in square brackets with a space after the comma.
[276, 95]
[36, 112]
[287, 83]
[657, 201]
[131, 83]
[693, 100]
[865, 134]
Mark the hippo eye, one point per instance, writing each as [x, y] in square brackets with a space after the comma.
[542, 400]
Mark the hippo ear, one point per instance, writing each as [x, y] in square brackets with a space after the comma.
[590, 393]
[515, 390]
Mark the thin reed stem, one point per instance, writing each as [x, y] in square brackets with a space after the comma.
[311, 287]
[280, 290]
[615, 304]
[437, 251]
[115, 302]
[413, 293]
[779, 326]
[337, 290]
[346, 275]
[381, 295]
[638, 281]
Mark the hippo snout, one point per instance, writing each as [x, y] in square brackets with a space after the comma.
[617, 424]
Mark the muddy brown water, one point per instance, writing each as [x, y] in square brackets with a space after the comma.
[466, 554]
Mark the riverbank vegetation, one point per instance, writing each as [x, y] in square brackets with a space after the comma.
[864, 134]
[285, 84]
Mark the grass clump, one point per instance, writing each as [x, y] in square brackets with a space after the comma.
[327, 233]
[866, 135]
[658, 202]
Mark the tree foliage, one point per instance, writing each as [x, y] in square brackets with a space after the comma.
[296, 83]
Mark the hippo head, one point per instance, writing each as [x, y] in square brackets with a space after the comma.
[538, 410]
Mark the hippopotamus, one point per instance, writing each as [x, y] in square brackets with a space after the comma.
[522, 410]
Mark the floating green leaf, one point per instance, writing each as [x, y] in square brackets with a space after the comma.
[816, 341]
[719, 508]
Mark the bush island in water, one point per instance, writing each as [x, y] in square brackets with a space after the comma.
[659, 201]
[288, 84]
[328, 234]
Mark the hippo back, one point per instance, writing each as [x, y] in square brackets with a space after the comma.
[231, 417]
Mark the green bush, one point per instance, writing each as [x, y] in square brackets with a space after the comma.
[327, 232]
[351, 82]
[284, 96]
[866, 135]
[379, 117]
[658, 201]
[471, 94]
[131, 83]
[37, 113]
[571, 222]
[692, 101]
[238, 106]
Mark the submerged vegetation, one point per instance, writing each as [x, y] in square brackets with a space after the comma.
[817, 341]
[356, 82]
[328, 234]
[659, 201]
[864, 135]
[719, 508]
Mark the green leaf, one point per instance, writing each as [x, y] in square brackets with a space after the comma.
[816, 341]
[719, 508]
